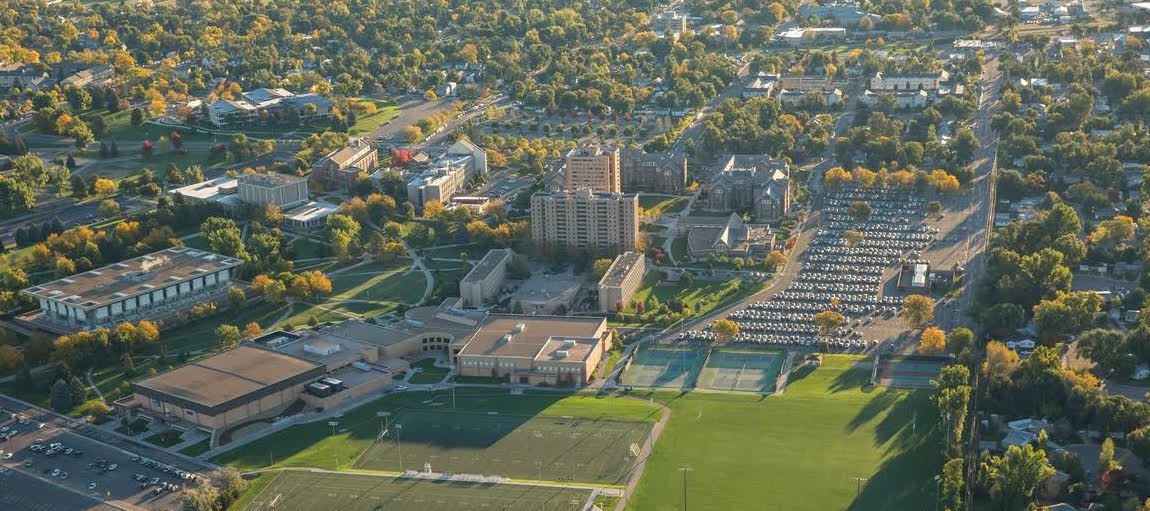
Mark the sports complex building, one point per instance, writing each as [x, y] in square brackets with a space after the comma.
[281, 373]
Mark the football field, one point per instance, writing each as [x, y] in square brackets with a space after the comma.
[309, 491]
[518, 447]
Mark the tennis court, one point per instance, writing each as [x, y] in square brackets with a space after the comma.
[909, 371]
[666, 368]
[742, 370]
[543, 448]
[308, 491]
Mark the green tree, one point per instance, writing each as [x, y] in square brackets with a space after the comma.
[228, 336]
[917, 310]
[1014, 476]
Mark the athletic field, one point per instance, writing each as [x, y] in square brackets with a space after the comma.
[308, 491]
[517, 447]
[742, 370]
[665, 368]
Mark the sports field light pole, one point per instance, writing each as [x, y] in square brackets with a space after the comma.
[858, 485]
[334, 447]
[684, 470]
[399, 442]
[937, 491]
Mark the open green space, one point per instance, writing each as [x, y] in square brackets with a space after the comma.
[365, 124]
[197, 448]
[428, 373]
[702, 297]
[200, 334]
[314, 445]
[799, 451]
[197, 242]
[307, 248]
[659, 205]
[515, 446]
[164, 439]
[305, 491]
[679, 250]
[378, 282]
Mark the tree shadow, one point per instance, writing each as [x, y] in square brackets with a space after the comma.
[905, 479]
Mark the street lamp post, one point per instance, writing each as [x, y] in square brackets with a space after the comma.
[399, 442]
[684, 470]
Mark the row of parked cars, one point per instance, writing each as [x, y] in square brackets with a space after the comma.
[840, 274]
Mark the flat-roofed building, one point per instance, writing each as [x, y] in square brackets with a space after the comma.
[582, 220]
[535, 349]
[623, 278]
[310, 216]
[263, 188]
[594, 167]
[221, 190]
[447, 175]
[547, 293]
[482, 283]
[227, 389]
[151, 287]
[343, 166]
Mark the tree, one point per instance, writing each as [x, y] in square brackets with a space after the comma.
[599, 269]
[1000, 361]
[1014, 476]
[775, 260]
[252, 330]
[137, 117]
[917, 310]
[11, 359]
[1106, 461]
[1104, 347]
[61, 396]
[944, 182]
[104, 186]
[953, 484]
[108, 208]
[852, 237]
[836, 177]
[236, 297]
[227, 336]
[932, 341]
[959, 340]
[860, 211]
[933, 207]
[1115, 230]
[828, 321]
[725, 330]
[1066, 313]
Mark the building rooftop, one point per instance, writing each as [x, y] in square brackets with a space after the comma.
[311, 211]
[515, 336]
[494, 258]
[542, 287]
[229, 375]
[132, 277]
[620, 268]
[347, 156]
[268, 179]
[210, 189]
[589, 150]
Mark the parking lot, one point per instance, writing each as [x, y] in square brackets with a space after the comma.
[63, 460]
[844, 277]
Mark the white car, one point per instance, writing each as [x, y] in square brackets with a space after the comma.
[401, 387]
[91, 486]
[112, 467]
[7, 455]
[55, 472]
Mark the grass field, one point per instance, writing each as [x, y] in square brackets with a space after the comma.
[742, 370]
[517, 447]
[428, 372]
[700, 298]
[659, 205]
[303, 491]
[365, 124]
[797, 451]
[664, 368]
[314, 445]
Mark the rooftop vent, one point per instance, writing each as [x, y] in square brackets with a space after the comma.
[562, 354]
[519, 328]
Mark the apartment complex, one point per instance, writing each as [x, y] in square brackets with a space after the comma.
[582, 220]
[152, 287]
[22, 76]
[593, 167]
[446, 176]
[482, 283]
[342, 167]
[283, 190]
[656, 173]
[623, 278]
[908, 82]
[262, 105]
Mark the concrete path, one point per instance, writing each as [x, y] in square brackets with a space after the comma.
[785, 373]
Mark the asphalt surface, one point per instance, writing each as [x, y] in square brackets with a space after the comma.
[115, 488]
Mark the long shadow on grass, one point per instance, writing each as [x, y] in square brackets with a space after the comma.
[905, 479]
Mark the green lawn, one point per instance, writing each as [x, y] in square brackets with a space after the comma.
[162, 440]
[307, 248]
[369, 123]
[303, 491]
[201, 334]
[370, 289]
[428, 373]
[196, 449]
[700, 298]
[313, 445]
[197, 242]
[797, 451]
[679, 250]
[659, 205]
